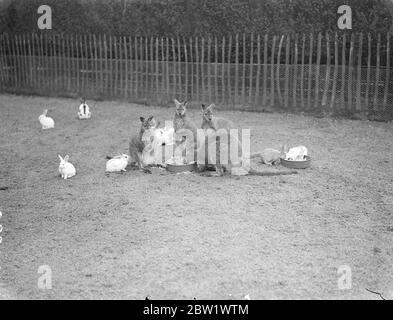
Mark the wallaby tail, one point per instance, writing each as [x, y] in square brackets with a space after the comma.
[256, 155]
[269, 173]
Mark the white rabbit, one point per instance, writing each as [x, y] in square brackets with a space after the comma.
[118, 163]
[84, 111]
[296, 153]
[46, 122]
[66, 169]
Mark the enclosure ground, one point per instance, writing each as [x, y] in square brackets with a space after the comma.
[182, 236]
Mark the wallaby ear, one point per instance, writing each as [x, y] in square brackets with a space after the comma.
[142, 119]
[66, 158]
[61, 159]
[177, 103]
[150, 118]
[211, 106]
[203, 106]
[185, 103]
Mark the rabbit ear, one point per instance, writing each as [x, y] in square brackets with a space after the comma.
[142, 119]
[61, 159]
[66, 158]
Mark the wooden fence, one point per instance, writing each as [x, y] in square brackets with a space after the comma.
[347, 74]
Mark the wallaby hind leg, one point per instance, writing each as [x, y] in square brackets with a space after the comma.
[140, 165]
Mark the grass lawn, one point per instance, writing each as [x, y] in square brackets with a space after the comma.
[182, 236]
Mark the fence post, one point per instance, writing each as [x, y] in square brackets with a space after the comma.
[203, 69]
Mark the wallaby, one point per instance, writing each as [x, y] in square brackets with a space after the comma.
[210, 121]
[235, 166]
[182, 123]
[138, 143]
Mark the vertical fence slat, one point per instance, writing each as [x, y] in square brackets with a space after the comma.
[272, 64]
[215, 69]
[317, 72]
[343, 58]
[237, 70]
[375, 102]
[163, 74]
[368, 70]
[192, 69]
[294, 98]
[203, 69]
[335, 73]
[359, 74]
[265, 55]
[2, 64]
[287, 63]
[243, 102]
[230, 95]
[250, 91]
[223, 70]
[327, 73]
[350, 74]
[256, 100]
[186, 96]
[174, 67]
[168, 94]
[209, 91]
[302, 72]
[387, 77]
[310, 71]
[278, 76]
[157, 60]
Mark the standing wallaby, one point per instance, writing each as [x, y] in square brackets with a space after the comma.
[210, 121]
[182, 123]
[138, 143]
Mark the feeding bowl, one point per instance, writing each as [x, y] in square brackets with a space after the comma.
[176, 168]
[297, 164]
